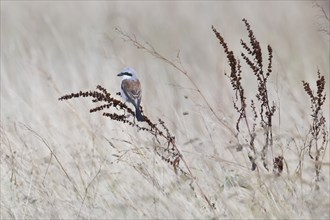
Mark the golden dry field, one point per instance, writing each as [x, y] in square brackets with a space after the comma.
[59, 161]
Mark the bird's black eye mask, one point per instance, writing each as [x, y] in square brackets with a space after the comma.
[125, 73]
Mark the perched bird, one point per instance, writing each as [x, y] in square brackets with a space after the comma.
[131, 90]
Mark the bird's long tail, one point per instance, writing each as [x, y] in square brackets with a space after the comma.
[138, 114]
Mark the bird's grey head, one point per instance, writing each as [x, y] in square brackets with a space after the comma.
[128, 72]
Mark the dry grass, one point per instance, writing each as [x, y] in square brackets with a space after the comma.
[60, 161]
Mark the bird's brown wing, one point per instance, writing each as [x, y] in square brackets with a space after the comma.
[132, 90]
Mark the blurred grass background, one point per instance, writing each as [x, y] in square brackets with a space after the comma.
[107, 170]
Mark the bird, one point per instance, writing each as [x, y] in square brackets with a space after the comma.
[131, 90]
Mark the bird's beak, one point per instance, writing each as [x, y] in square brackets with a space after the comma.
[119, 74]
